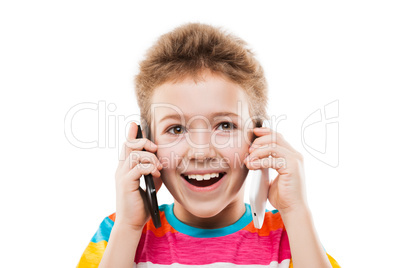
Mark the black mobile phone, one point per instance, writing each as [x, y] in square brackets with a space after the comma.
[151, 192]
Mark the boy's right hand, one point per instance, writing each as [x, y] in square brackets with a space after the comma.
[131, 203]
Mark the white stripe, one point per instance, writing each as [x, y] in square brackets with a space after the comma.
[274, 264]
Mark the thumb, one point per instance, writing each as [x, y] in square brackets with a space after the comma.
[132, 131]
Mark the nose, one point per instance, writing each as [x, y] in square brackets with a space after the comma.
[200, 147]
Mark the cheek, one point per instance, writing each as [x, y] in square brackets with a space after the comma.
[223, 141]
[240, 151]
[235, 156]
[170, 156]
[163, 157]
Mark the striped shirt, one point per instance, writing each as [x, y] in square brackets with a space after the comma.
[176, 244]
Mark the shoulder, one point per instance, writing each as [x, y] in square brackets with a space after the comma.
[94, 251]
[104, 229]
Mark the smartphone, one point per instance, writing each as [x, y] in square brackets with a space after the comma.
[151, 192]
[259, 193]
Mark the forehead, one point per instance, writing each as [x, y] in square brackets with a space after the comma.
[213, 96]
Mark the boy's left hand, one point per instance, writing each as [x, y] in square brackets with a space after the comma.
[287, 191]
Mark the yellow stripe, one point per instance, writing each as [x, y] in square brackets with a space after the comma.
[331, 260]
[92, 255]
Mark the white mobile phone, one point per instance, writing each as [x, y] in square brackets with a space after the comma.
[259, 195]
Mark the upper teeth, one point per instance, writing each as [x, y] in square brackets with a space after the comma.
[203, 177]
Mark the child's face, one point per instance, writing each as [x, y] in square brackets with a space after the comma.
[200, 142]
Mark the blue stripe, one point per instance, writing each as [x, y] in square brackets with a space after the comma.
[274, 211]
[104, 230]
[205, 233]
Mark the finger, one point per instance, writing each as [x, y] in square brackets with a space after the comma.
[142, 143]
[128, 147]
[262, 130]
[132, 132]
[143, 169]
[268, 150]
[269, 136]
[269, 162]
[125, 150]
[137, 157]
[157, 183]
[136, 144]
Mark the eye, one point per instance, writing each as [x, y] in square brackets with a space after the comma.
[177, 130]
[227, 126]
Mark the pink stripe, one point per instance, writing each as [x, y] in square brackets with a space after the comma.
[239, 248]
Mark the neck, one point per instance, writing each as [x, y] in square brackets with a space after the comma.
[228, 216]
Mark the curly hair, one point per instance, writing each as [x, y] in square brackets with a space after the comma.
[190, 49]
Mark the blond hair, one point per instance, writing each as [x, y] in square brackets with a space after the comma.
[190, 49]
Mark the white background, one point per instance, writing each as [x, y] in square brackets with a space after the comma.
[55, 55]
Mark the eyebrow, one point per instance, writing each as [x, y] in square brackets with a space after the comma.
[176, 116]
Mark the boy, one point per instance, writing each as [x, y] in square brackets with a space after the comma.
[201, 94]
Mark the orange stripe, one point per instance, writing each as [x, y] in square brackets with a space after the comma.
[113, 217]
[149, 226]
[161, 231]
[272, 222]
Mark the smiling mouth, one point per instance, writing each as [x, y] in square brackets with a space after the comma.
[204, 183]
